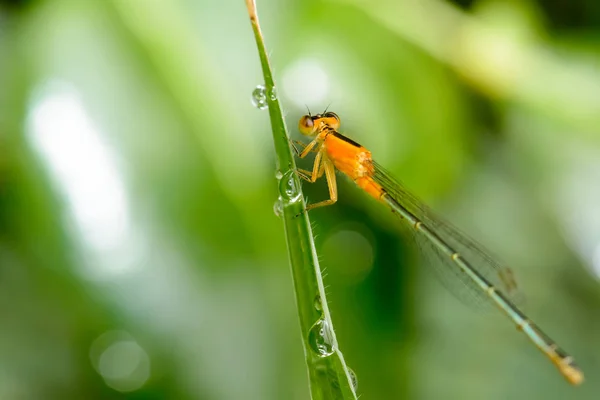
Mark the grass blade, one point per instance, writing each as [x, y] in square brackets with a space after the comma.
[329, 376]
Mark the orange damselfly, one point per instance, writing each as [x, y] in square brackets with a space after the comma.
[467, 259]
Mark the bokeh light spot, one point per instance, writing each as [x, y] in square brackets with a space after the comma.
[83, 170]
[120, 361]
[305, 82]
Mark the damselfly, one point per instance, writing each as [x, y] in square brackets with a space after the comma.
[468, 259]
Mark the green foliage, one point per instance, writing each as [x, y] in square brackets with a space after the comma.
[136, 192]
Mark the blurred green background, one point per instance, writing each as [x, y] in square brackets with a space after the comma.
[140, 256]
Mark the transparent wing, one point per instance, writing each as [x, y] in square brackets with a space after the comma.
[474, 253]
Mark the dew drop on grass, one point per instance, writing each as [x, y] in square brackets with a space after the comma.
[278, 207]
[320, 339]
[318, 305]
[259, 97]
[273, 94]
[353, 379]
[289, 187]
[278, 174]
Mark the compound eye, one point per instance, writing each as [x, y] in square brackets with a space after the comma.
[306, 125]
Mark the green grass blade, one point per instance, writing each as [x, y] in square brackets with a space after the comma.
[329, 376]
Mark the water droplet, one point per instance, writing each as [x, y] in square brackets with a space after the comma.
[318, 305]
[289, 187]
[278, 174]
[278, 207]
[259, 97]
[353, 379]
[273, 94]
[320, 339]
